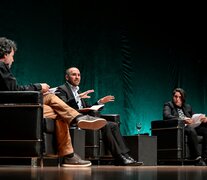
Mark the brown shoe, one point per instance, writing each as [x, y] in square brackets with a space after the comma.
[89, 122]
[75, 161]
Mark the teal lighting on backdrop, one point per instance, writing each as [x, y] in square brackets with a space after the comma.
[140, 64]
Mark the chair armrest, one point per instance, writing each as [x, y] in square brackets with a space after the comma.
[111, 117]
[21, 97]
[159, 124]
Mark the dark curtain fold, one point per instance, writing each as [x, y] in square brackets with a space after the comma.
[127, 81]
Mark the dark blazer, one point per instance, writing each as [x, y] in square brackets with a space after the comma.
[8, 81]
[65, 93]
[170, 111]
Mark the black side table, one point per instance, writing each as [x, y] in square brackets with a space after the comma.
[143, 148]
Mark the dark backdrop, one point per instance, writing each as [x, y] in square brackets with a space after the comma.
[120, 50]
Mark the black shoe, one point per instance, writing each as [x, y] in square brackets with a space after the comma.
[200, 162]
[130, 158]
[75, 161]
[89, 122]
[123, 161]
[138, 163]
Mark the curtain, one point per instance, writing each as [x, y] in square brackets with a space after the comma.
[117, 53]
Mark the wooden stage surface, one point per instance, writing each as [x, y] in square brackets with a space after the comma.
[105, 172]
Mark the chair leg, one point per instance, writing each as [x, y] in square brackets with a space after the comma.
[34, 162]
[59, 162]
[41, 162]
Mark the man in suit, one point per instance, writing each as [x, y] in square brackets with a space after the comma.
[53, 107]
[178, 109]
[69, 92]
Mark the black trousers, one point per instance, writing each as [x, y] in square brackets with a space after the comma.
[192, 134]
[113, 139]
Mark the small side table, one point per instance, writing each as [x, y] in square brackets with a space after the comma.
[143, 148]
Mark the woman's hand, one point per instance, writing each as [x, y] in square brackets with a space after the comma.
[188, 121]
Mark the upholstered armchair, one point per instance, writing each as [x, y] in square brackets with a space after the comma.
[24, 133]
[21, 124]
[172, 144]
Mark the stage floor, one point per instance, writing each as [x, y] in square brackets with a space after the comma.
[104, 173]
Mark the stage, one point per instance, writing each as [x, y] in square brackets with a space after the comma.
[104, 172]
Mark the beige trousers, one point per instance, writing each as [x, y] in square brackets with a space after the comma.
[55, 108]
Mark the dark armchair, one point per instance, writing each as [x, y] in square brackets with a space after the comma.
[24, 133]
[172, 144]
[21, 124]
